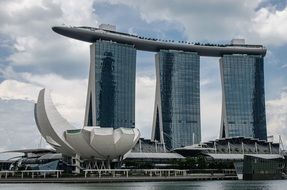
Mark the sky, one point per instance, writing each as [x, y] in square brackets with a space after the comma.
[33, 57]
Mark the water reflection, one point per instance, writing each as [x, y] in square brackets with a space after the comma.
[193, 185]
[254, 185]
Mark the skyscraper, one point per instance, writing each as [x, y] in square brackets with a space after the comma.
[177, 105]
[110, 107]
[243, 101]
[111, 90]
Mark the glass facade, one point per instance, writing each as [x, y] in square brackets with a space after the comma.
[243, 104]
[177, 105]
[112, 97]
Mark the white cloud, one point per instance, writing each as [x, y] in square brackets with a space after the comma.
[145, 94]
[205, 82]
[53, 61]
[270, 24]
[277, 116]
[69, 95]
[28, 24]
[12, 89]
[224, 18]
[18, 129]
[210, 108]
[219, 20]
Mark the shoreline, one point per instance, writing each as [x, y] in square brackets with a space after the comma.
[116, 179]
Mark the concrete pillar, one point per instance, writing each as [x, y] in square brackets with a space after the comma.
[77, 164]
[270, 148]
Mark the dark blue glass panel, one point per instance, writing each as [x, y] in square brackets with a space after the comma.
[243, 96]
[115, 84]
[180, 99]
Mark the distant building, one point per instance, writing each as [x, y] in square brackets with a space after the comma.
[148, 146]
[243, 100]
[262, 167]
[107, 27]
[177, 105]
[238, 41]
[231, 148]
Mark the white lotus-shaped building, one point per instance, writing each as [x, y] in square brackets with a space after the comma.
[89, 142]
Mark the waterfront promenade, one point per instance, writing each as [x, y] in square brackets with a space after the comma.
[115, 175]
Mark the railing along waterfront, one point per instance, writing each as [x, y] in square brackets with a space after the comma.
[32, 173]
[118, 173]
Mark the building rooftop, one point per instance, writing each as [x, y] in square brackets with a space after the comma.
[154, 155]
[90, 34]
[35, 151]
[241, 156]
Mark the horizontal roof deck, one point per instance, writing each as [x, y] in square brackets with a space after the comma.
[91, 35]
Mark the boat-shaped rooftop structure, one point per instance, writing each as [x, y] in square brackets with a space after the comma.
[90, 34]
